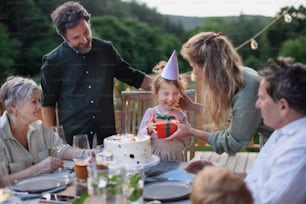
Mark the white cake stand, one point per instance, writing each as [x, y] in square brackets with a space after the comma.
[154, 162]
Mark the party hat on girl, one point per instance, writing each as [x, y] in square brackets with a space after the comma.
[171, 70]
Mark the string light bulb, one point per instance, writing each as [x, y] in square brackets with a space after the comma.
[253, 44]
[287, 18]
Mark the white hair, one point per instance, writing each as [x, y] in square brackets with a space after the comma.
[17, 90]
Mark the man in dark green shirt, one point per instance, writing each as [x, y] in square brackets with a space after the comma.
[78, 77]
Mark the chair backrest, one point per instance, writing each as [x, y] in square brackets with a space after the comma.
[134, 105]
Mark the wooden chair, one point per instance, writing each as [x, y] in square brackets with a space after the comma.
[134, 105]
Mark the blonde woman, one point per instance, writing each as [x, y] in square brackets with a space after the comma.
[230, 93]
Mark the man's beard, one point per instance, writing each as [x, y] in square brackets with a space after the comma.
[85, 49]
[82, 50]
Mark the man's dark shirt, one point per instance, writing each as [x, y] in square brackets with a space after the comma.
[81, 85]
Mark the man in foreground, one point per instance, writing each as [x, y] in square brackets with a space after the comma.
[278, 174]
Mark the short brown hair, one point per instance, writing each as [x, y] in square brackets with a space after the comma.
[68, 15]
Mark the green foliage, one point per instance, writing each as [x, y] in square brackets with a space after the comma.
[294, 48]
[26, 23]
[187, 23]
[113, 183]
[138, 43]
[142, 36]
[9, 48]
[82, 199]
[282, 31]
[253, 62]
[151, 17]
[132, 37]
[134, 188]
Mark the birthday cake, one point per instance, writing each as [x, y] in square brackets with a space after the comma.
[130, 149]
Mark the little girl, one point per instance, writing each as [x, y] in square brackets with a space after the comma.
[167, 88]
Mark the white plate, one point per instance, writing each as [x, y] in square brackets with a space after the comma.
[41, 183]
[167, 190]
[155, 161]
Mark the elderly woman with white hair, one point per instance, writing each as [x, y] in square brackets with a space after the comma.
[24, 141]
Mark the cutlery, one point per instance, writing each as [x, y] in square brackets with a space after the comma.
[154, 179]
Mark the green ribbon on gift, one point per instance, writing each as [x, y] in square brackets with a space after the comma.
[167, 118]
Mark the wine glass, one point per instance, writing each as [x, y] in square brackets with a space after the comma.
[60, 132]
[4, 183]
[81, 141]
[55, 150]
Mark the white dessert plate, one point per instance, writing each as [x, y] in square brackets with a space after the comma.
[168, 190]
[41, 183]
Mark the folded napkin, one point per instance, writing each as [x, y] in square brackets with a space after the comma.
[27, 196]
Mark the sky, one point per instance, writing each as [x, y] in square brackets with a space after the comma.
[204, 8]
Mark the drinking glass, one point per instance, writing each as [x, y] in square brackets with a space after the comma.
[133, 185]
[4, 183]
[115, 180]
[60, 132]
[102, 157]
[81, 141]
[94, 141]
[56, 130]
[81, 157]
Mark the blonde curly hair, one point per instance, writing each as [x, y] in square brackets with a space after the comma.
[216, 185]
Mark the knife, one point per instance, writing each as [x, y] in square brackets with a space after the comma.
[158, 179]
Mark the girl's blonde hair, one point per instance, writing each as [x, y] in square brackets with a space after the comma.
[216, 185]
[158, 80]
[222, 75]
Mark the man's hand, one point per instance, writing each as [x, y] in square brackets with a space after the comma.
[196, 166]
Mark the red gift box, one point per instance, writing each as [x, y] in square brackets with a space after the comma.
[165, 125]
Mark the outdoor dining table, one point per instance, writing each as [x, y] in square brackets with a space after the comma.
[172, 170]
[239, 162]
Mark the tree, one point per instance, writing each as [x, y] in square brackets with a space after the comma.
[294, 48]
[282, 31]
[9, 48]
[26, 23]
[140, 44]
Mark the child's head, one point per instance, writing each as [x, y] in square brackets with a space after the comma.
[166, 92]
[216, 185]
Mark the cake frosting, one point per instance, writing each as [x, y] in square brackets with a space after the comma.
[130, 149]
